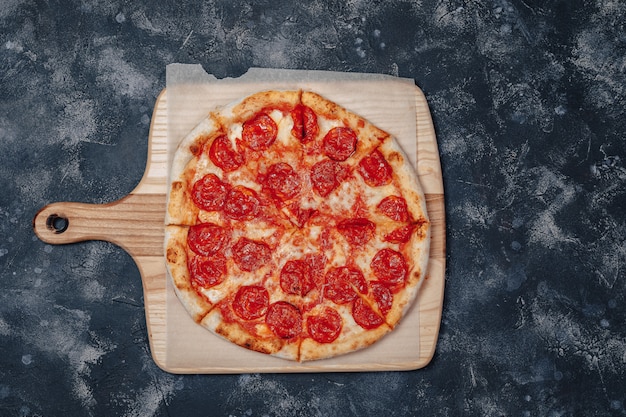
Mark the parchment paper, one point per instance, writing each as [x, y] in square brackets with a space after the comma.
[386, 101]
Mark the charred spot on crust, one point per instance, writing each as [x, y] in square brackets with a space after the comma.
[395, 157]
[220, 330]
[172, 255]
[240, 338]
[422, 227]
[195, 149]
[255, 345]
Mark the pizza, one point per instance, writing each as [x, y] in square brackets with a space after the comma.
[294, 227]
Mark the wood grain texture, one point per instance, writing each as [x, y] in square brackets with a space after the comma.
[178, 345]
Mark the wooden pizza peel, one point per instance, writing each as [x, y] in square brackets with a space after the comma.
[136, 223]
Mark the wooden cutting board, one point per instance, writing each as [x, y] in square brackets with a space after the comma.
[178, 345]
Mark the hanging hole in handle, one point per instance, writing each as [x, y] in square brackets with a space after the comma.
[57, 223]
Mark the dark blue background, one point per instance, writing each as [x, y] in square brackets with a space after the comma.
[528, 100]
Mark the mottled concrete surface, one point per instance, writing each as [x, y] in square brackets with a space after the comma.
[529, 103]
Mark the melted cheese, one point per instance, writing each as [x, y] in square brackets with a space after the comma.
[213, 295]
[326, 124]
[284, 124]
[342, 198]
[234, 132]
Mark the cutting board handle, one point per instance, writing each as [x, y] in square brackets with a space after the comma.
[136, 223]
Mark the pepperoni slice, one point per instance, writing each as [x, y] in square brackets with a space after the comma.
[250, 255]
[382, 296]
[222, 154]
[326, 326]
[284, 320]
[207, 272]
[342, 284]
[260, 132]
[305, 127]
[375, 170]
[326, 175]
[357, 231]
[281, 181]
[209, 193]
[299, 216]
[207, 238]
[394, 207]
[295, 278]
[401, 234]
[339, 143]
[251, 302]
[389, 266]
[365, 316]
[241, 203]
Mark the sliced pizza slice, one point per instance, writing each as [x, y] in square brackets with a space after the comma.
[251, 319]
[341, 134]
[340, 326]
[382, 186]
[390, 266]
[259, 130]
[208, 260]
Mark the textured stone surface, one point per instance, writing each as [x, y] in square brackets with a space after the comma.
[529, 104]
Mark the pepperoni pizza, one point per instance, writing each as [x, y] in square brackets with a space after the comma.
[295, 227]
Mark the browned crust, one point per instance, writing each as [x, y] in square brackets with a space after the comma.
[407, 179]
[236, 333]
[180, 208]
[352, 338]
[176, 255]
[332, 110]
[249, 106]
[417, 250]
